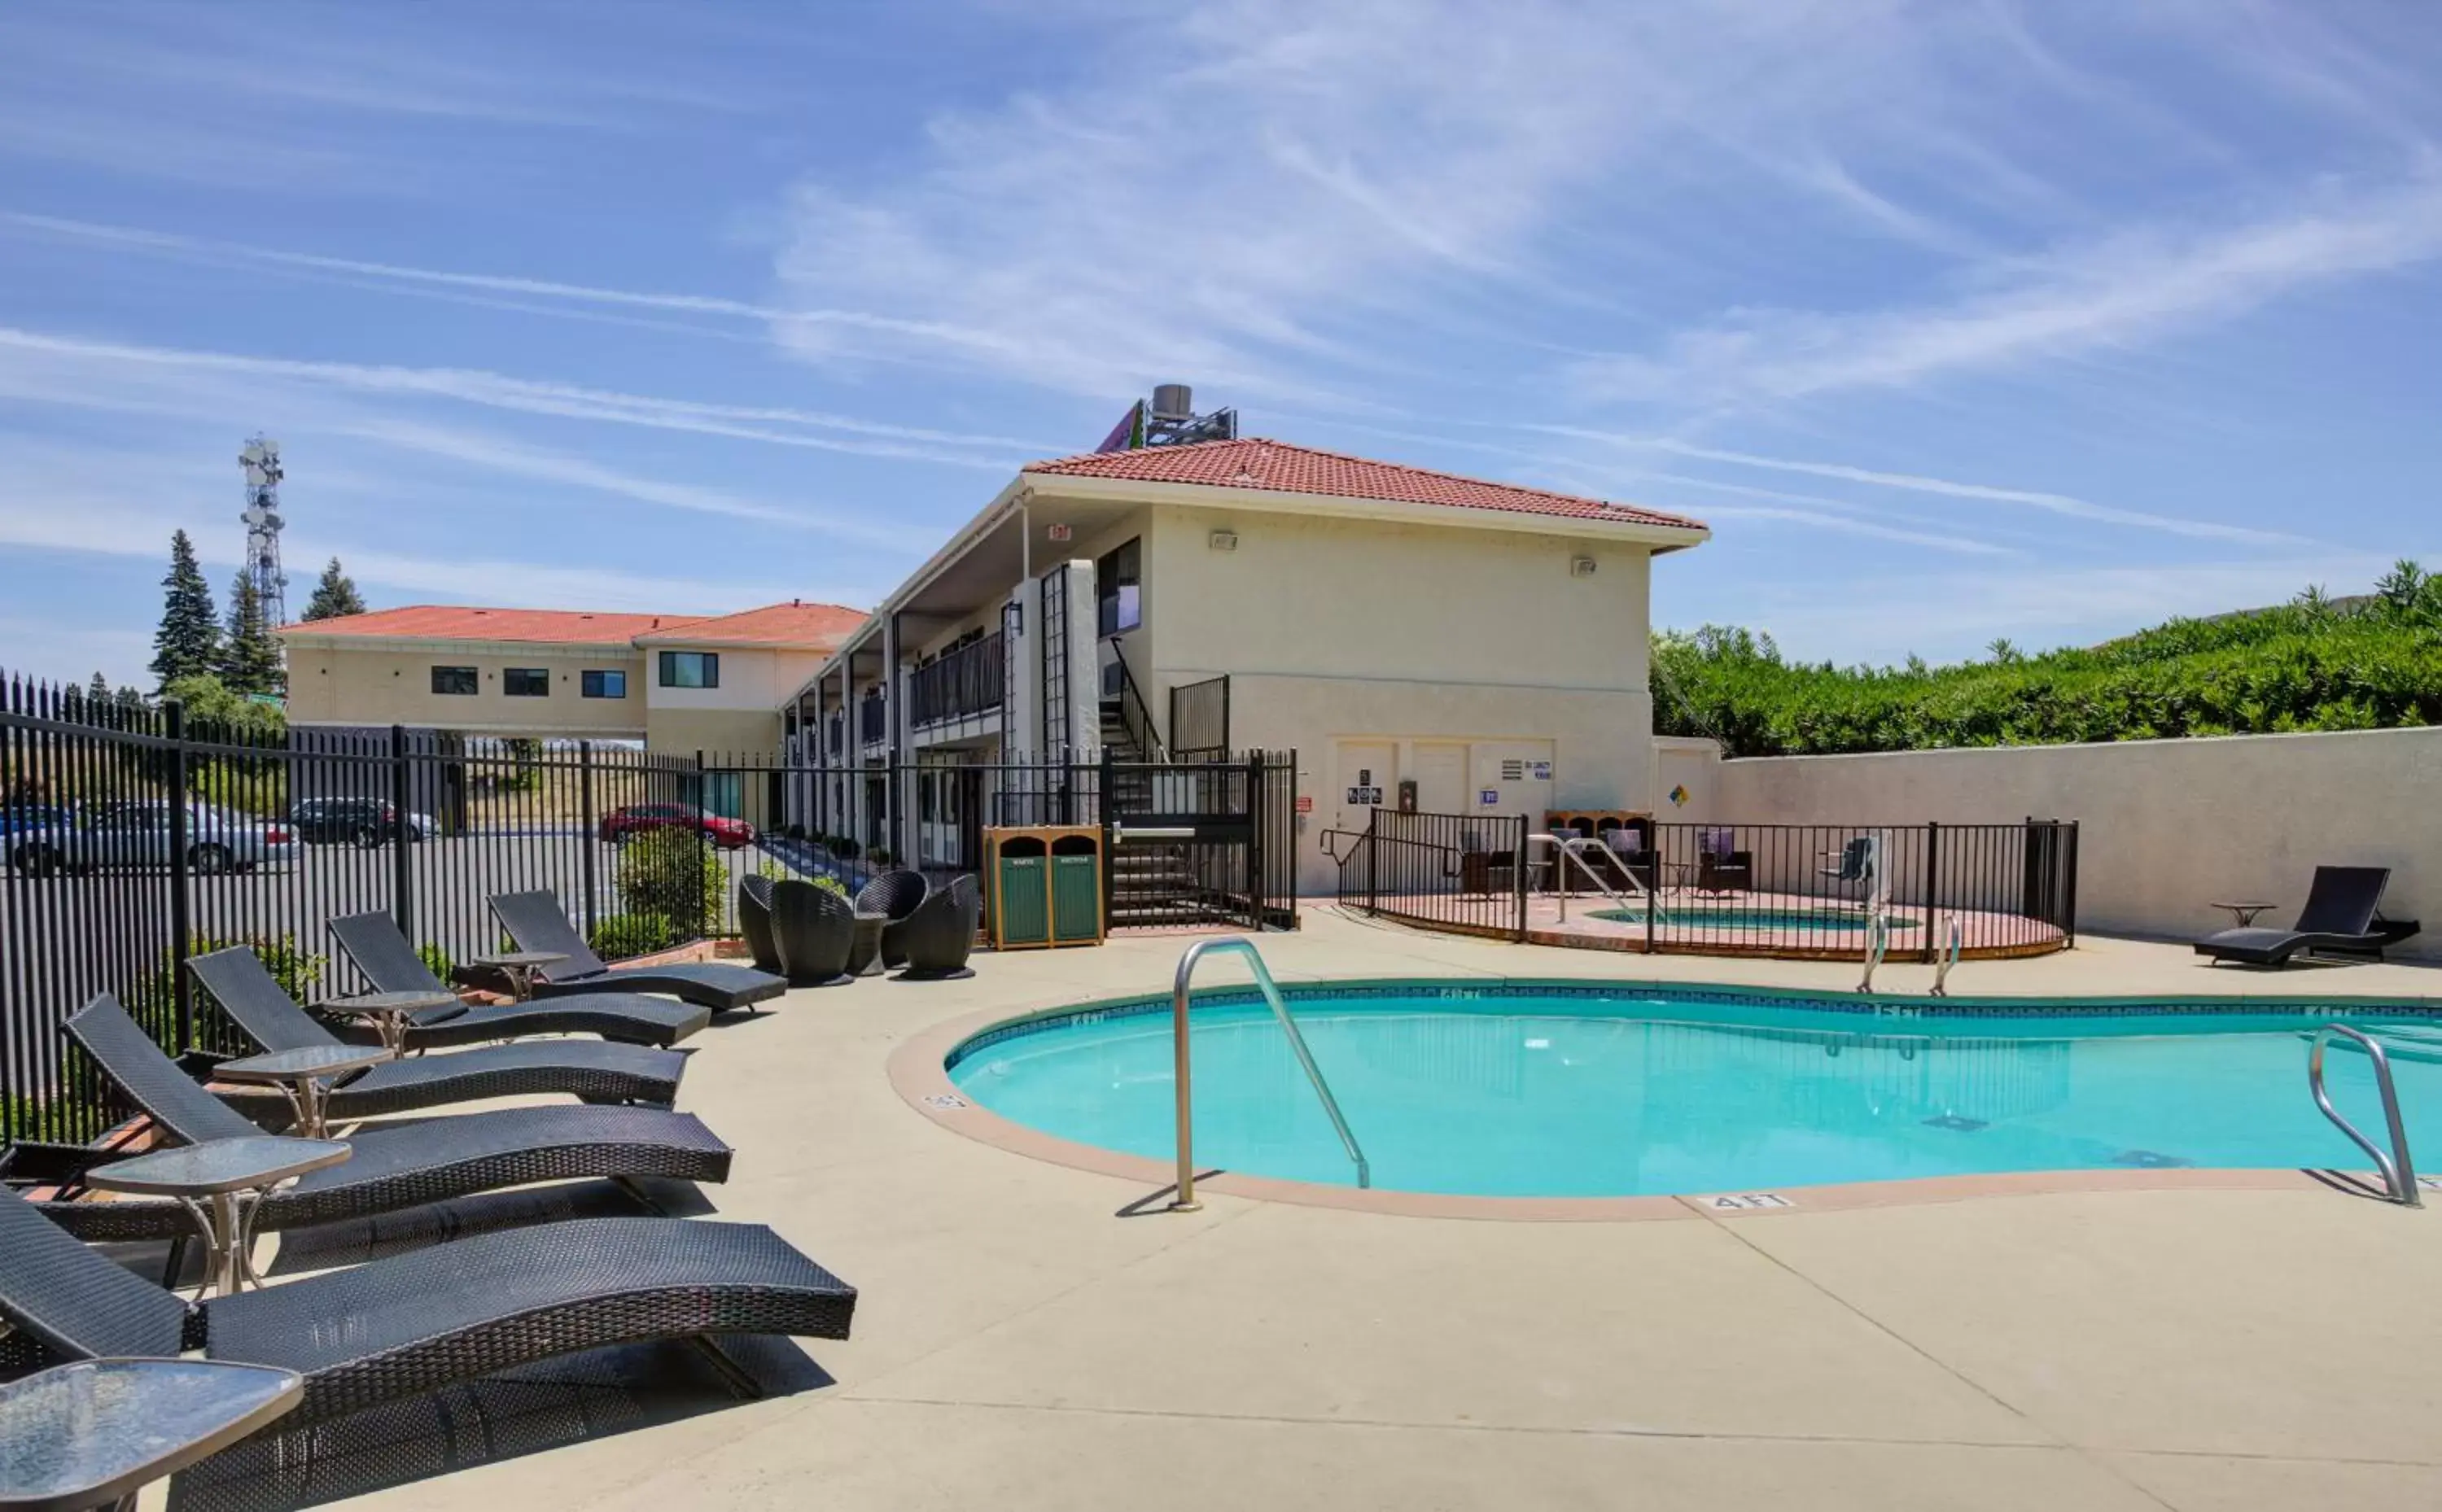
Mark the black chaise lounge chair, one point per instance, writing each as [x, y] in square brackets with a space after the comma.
[387, 1170]
[755, 922]
[373, 943]
[591, 1070]
[935, 940]
[2342, 917]
[413, 1323]
[536, 922]
[813, 927]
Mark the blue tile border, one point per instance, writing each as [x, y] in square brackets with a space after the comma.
[1882, 1009]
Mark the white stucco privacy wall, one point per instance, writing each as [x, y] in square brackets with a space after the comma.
[2166, 826]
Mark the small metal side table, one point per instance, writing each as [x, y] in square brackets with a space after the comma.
[221, 1184]
[89, 1433]
[393, 1013]
[2243, 915]
[523, 968]
[304, 1075]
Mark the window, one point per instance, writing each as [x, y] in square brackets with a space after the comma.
[526, 682]
[1115, 592]
[601, 684]
[690, 669]
[453, 680]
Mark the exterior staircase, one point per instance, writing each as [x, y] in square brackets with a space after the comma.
[1152, 882]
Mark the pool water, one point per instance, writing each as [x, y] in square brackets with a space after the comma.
[1715, 917]
[1529, 1092]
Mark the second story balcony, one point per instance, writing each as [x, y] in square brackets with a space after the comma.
[966, 684]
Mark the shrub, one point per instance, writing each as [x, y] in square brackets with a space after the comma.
[436, 960]
[624, 935]
[878, 855]
[842, 846]
[674, 875]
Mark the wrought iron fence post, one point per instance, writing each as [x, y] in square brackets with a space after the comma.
[1932, 883]
[2069, 890]
[702, 781]
[1104, 804]
[586, 841]
[1659, 869]
[1518, 877]
[402, 865]
[1256, 891]
[182, 992]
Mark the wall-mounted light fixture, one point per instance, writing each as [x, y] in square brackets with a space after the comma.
[1222, 540]
[1581, 567]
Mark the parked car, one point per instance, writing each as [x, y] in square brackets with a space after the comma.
[636, 818]
[363, 822]
[23, 816]
[131, 835]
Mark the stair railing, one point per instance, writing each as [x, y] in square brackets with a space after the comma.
[1135, 719]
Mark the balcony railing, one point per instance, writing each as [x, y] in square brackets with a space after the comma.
[967, 682]
[870, 724]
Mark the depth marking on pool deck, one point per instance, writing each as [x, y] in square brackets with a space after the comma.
[1745, 1201]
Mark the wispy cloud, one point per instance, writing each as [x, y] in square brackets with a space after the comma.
[2056, 504]
[2129, 288]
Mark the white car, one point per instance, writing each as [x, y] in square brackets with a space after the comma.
[136, 836]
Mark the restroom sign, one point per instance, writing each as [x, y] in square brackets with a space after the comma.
[1364, 796]
[1487, 796]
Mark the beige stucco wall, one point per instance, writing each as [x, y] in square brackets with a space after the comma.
[2165, 827]
[393, 685]
[718, 732]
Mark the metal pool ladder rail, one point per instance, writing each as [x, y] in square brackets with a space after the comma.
[2398, 1174]
[1239, 945]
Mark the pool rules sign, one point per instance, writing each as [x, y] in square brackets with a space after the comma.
[1364, 793]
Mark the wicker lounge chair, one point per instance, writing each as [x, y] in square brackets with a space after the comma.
[390, 1169]
[755, 921]
[935, 938]
[536, 922]
[2342, 917]
[412, 1324]
[813, 927]
[379, 951]
[592, 1070]
[890, 897]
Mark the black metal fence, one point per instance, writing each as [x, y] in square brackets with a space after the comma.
[1792, 890]
[1188, 842]
[1199, 719]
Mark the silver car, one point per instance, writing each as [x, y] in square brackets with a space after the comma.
[136, 836]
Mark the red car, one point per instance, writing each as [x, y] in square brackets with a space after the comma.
[635, 818]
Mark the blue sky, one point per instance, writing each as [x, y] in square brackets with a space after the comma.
[1956, 320]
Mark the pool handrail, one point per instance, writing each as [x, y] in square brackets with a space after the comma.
[2398, 1173]
[1184, 1199]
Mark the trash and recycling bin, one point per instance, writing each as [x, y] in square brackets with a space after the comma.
[1045, 885]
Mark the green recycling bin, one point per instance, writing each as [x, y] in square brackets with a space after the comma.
[1044, 886]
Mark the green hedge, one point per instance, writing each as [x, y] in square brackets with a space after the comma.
[2310, 664]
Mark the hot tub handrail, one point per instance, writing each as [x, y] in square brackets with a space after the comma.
[2398, 1173]
[1569, 846]
[1184, 1200]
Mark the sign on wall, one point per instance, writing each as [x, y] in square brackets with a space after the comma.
[1488, 796]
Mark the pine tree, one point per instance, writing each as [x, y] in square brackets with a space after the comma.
[97, 691]
[335, 595]
[189, 641]
[251, 656]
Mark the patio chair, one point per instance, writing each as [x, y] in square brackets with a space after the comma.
[2342, 917]
[935, 938]
[890, 897]
[389, 1169]
[592, 1070]
[374, 943]
[1720, 868]
[755, 921]
[412, 1324]
[813, 927]
[536, 922]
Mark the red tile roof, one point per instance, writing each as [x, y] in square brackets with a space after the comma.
[1277, 467]
[821, 626]
[813, 625]
[455, 622]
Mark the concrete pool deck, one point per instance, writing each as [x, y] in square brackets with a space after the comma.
[1032, 1336]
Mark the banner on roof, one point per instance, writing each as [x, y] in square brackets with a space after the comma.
[1129, 434]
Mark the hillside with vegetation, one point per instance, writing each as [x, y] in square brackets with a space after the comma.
[2313, 663]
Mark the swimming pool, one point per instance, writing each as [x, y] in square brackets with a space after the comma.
[1575, 1091]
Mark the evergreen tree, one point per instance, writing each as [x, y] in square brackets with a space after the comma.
[97, 691]
[189, 642]
[335, 595]
[251, 656]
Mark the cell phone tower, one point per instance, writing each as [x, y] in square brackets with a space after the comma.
[260, 460]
